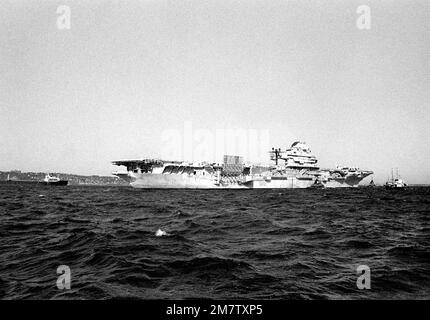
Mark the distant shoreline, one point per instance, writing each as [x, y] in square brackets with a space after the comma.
[74, 179]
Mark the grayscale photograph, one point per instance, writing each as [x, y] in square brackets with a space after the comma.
[208, 150]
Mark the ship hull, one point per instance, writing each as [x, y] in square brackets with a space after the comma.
[349, 181]
[281, 183]
[178, 181]
[173, 181]
[55, 183]
[342, 183]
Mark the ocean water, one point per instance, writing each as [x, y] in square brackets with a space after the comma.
[121, 242]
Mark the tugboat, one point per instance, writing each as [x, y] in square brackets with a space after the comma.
[395, 183]
[53, 180]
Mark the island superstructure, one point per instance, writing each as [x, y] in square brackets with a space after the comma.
[293, 167]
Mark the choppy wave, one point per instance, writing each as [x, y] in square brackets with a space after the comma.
[289, 244]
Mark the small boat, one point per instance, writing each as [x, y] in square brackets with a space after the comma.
[53, 180]
[317, 185]
[396, 183]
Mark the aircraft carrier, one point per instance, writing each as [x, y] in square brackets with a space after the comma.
[293, 167]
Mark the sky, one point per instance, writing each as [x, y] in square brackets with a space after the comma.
[161, 79]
